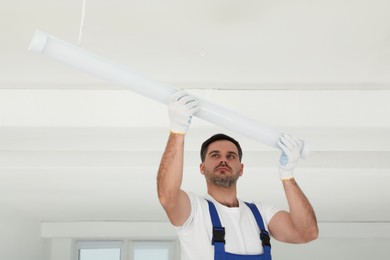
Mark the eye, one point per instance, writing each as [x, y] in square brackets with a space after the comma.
[231, 156]
[214, 155]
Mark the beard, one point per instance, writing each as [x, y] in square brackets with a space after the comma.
[222, 180]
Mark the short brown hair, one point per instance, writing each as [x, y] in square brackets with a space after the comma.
[218, 137]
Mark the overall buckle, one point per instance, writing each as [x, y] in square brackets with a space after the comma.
[218, 235]
[265, 239]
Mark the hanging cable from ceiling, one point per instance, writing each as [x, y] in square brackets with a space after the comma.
[82, 21]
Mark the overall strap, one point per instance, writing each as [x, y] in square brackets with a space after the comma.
[218, 232]
[264, 235]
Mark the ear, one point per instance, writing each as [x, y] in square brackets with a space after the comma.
[201, 168]
[242, 169]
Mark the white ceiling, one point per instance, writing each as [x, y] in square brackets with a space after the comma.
[73, 147]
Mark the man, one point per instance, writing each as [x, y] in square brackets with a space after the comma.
[219, 225]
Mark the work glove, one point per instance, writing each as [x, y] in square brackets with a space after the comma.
[181, 108]
[291, 152]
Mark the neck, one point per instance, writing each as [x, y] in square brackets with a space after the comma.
[225, 196]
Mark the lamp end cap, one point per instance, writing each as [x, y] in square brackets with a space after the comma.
[38, 41]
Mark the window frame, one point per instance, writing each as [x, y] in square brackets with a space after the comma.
[99, 244]
[171, 246]
[126, 246]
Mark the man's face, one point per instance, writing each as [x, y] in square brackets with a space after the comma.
[222, 165]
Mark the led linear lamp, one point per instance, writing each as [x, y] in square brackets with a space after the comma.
[74, 56]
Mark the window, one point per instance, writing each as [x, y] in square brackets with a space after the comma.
[99, 250]
[151, 250]
[127, 250]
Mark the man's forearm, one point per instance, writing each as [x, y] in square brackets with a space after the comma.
[170, 172]
[301, 211]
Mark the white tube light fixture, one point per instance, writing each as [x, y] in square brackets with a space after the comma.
[74, 56]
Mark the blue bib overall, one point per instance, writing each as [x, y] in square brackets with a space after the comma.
[219, 237]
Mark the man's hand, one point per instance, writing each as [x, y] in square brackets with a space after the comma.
[181, 108]
[291, 152]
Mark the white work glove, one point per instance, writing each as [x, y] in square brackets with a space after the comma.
[291, 153]
[181, 108]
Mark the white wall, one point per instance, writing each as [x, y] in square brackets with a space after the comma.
[335, 249]
[61, 236]
[19, 236]
[60, 249]
[337, 241]
[321, 249]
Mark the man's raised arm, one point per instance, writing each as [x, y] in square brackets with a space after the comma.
[170, 173]
[299, 225]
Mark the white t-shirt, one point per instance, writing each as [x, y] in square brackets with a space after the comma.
[242, 234]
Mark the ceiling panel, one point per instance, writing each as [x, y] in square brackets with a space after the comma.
[76, 148]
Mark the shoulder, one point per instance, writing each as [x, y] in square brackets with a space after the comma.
[198, 206]
[267, 211]
[196, 200]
